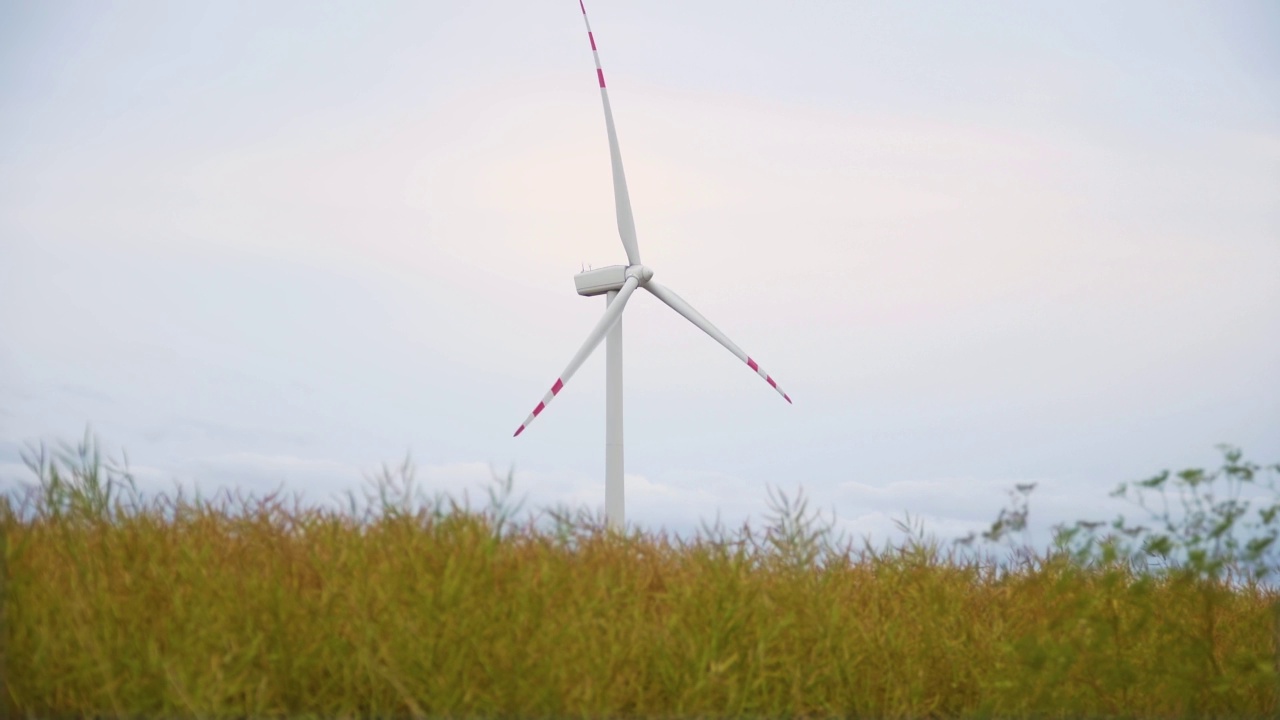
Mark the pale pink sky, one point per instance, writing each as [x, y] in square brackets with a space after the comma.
[978, 245]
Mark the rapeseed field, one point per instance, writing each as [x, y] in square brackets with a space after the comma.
[405, 606]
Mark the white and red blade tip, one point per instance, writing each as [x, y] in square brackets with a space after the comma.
[591, 36]
[755, 366]
[546, 400]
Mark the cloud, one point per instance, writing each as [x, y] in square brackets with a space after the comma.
[14, 474]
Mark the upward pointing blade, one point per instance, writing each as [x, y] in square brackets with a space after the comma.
[679, 305]
[601, 329]
[621, 199]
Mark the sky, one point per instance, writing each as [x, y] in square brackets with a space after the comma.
[260, 245]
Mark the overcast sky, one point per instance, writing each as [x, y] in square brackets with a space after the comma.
[979, 244]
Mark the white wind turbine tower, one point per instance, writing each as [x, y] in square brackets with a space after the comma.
[617, 283]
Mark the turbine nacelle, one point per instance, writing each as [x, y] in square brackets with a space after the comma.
[609, 279]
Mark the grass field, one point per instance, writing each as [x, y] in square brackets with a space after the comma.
[408, 606]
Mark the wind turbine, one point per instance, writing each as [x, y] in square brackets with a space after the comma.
[617, 283]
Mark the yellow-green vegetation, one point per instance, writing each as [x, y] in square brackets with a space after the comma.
[177, 606]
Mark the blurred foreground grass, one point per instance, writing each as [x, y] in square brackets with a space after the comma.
[407, 606]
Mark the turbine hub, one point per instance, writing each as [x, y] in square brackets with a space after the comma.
[641, 272]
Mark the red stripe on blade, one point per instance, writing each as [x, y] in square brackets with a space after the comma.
[540, 408]
[769, 380]
[600, 74]
[787, 397]
[518, 431]
[555, 389]
[592, 38]
[584, 8]
[752, 364]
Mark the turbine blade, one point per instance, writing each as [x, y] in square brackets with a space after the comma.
[621, 199]
[675, 302]
[601, 329]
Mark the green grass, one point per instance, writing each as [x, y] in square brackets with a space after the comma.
[175, 606]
